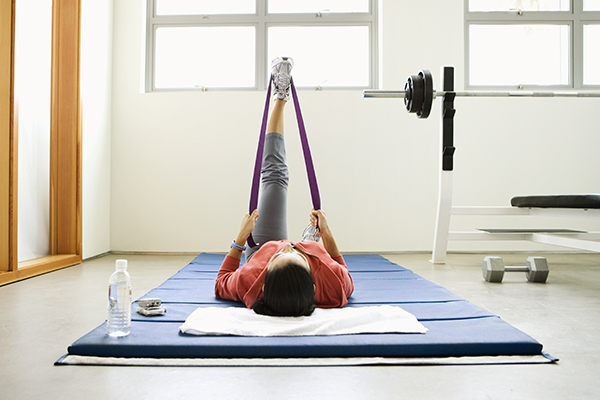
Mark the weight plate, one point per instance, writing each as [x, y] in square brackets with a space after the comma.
[413, 97]
[427, 81]
[408, 94]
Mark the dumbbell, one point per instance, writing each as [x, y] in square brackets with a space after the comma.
[536, 269]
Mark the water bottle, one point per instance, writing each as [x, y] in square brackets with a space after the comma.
[311, 233]
[119, 301]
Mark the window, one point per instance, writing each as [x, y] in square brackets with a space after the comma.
[181, 62]
[550, 44]
[209, 45]
[591, 5]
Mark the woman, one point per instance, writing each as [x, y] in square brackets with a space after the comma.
[282, 278]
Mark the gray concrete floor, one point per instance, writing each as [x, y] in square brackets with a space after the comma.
[42, 316]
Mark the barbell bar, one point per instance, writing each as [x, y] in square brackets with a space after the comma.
[418, 94]
[399, 94]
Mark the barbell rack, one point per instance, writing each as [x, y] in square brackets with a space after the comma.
[418, 95]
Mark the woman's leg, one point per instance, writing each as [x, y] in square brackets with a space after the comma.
[275, 123]
[272, 204]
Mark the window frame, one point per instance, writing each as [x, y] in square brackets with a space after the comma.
[575, 18]
[262, 21]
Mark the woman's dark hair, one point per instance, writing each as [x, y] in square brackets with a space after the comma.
[289, 292]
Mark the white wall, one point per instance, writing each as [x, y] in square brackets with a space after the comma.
[182, 162]
[96, 71]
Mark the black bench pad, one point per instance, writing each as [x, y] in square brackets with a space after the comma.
[558, 201]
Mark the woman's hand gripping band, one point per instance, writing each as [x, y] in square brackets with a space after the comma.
[248, 224]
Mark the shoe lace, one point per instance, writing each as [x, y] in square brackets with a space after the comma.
[281, 77]
[281, 81]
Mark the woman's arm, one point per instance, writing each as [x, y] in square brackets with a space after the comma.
[226, 284]
[318, 218]
[248, 223]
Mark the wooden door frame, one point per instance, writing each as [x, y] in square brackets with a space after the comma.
[65, 146]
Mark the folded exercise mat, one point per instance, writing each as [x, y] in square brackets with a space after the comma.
[456, 327]
[201, 291]
[178, 312]
[323, 322]
[451, 338]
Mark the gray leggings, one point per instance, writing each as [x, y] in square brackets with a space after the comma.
[272, 204]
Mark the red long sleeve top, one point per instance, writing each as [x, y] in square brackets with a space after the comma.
[333, 283]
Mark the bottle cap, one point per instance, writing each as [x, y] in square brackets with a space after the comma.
[121, 265]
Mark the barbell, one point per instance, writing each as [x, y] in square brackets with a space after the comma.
[419, 93]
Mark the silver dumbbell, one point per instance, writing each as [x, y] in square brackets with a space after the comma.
[536, 269]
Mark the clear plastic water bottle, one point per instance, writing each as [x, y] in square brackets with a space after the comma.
[311, 233]
[119, 301]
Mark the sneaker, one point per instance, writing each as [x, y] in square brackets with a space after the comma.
[281, 71]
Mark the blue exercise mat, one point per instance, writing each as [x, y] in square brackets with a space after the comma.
[457, 328]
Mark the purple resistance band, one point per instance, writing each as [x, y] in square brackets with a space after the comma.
[310, 169]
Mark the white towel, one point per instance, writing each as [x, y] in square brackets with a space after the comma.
[336, 321]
